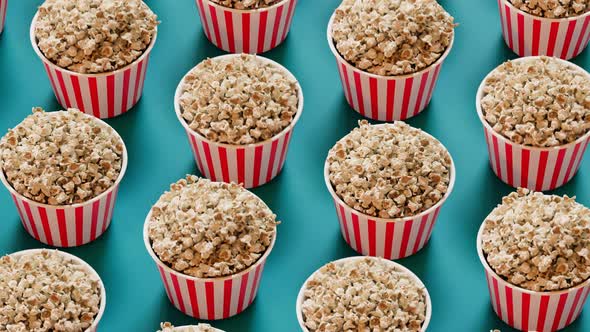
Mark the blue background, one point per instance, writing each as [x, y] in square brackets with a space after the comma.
[309, 236]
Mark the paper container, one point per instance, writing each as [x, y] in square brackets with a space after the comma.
[103, 95]
[190, 328]
[538, 169]
[387, 98]
[387, 238]
[3, 6]
[300, 296]
[89, 270]
[246, 31]
[527, 34]
[527, 310]
[68, 225]
[209, 298]
[251, 165]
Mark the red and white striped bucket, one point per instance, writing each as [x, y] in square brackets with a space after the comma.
[387, 98]
[246, 31]
[3, 7]
[527, 34]
[103, 95]
[209, 298]
[251, 165]
[527, 310]
[88, 269]
[67, 225]
[387, 238]
[538, 169]
[399, 267]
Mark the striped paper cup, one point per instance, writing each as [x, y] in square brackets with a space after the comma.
[300, 296]
[386, 98]
[527, 34]
[88, 269]
[246, 31]
[3, 6]
[67, 225]
[209, 298]
[538, 169]
[251, 165]
[103, 95]
[387, 238]
[527, 310]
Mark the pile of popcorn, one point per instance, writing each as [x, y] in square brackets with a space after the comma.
[94, 36]
[553, 8]
[389, 170]
[366, 294]
[209, 229]
[392, 37]
[167, 327]
[247, 4]
[238, 100]
[540, 102]
[538, 242]
[46, 292]
[61, 158]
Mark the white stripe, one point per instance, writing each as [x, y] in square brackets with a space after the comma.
[118, 98]
[101, 84]
[399, 98]
[249, 167]
[238, 37]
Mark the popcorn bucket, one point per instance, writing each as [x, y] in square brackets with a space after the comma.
[88, 269]
[251, 165]
[528, 34]
[301, 296]
[3, 6]
[103, 95]
[388, 238]
[67, 225]
[387, 98]
[535, 168]
[209, 298]
[527, 310]
[251, 31]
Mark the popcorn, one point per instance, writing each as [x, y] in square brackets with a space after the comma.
[538, 242]
[538, 102]
[247, 4]
[553, 8]
[209, 229]
[363, 295]
[61, 158]
[46, 292]
[167, 327]
[391, 37]
[94, 36]
[390, 170]
[238, 100]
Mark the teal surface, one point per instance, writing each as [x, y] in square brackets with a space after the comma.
[309, 236]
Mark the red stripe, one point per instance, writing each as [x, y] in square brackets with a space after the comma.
[497, 155]
[262, 31]
[288, 19]
[255, 283]
[359, 92]
[79, 225]
[568, 38]
[501, 17]
[372, 235]
[257, 165]
[227, 286]
[284, 152]
[93, 226]
[429, 233]
[557, 168]
[45, 223]
[552, 38]
[509, 164]
[509, 305]
[520, 23]
[77, 93]
[210, 295]
[374, 98]
[111, 95]
[31, 219]
[541, 170]
[92, 84]
[64, 92]
[559, 311]
[53, 85]
[20, 213]
[246, 32]
[525, 306]
[209, 161]
[215, 26]
[536, 36]
[271, 162]
[419, 99]
[524, 168]
[389, 233]
[192, 294]
[497, 297]
[344, 223]
[571, 163]
[166, 286]
[138, 79]
[195, 147]
[508, 25]
[357, 232]
[407, 95]
[203, 18]
[223, 162]
[570, 316]
[277, 24]
[125, 98]
[61, 224]
[433, 83]
[582, 35]
[405, 238]
[579, 162]
[584, 300]
[242, 295]
[390, 99]
[229, 22]
[177, 292]
[420, 232]
[347, 85]
[542, 312]
[146, 61]
[241, 165]
[107, 211]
